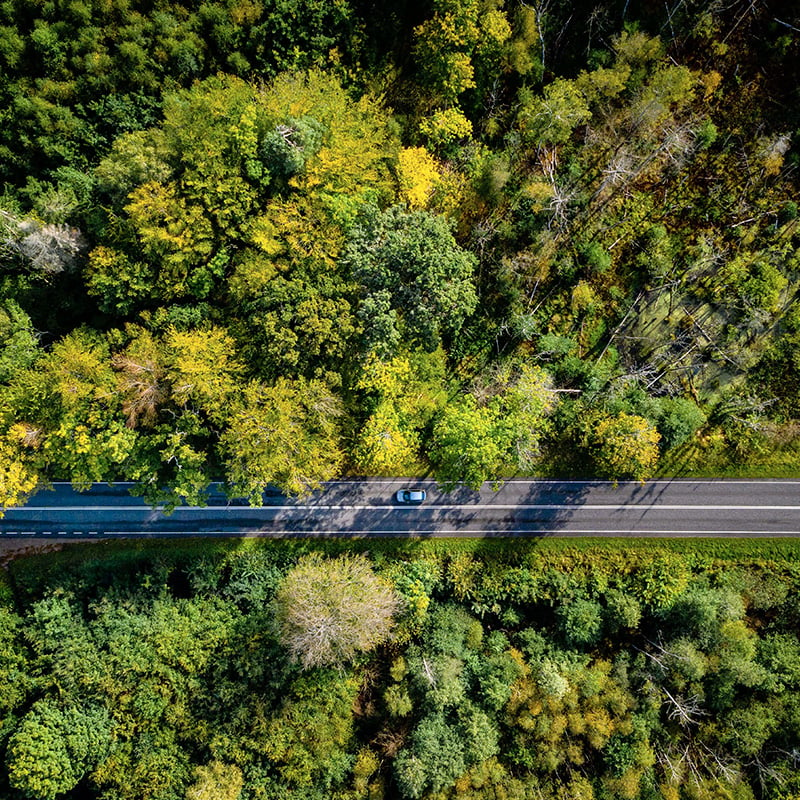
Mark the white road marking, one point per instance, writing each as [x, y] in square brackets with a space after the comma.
[573, 481]
[667, 481]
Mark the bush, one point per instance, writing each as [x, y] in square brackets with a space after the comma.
[581, 622]
[678, 419]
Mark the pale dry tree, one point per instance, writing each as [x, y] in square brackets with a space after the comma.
[328, 610]
[49, 248]
[143, 387]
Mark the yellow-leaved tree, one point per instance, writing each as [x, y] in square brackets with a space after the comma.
[228, 165]
[17, 478]
[285, 435]
[624, 446]
[404, 393]
[418, 175]
[204, 370]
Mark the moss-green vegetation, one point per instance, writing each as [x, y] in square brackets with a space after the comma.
[610, 669]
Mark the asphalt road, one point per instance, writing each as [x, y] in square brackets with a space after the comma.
[663, 508]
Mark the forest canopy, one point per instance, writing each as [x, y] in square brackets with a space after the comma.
[270, 243]
[273, 243]
[253, 670]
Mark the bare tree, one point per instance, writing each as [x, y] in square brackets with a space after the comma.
[142, 382]
[49, 248]
[686, 710]
[328, 610]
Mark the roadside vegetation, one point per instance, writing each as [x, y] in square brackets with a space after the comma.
[275, 243]
[417, 670]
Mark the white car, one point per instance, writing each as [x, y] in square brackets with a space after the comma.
[411, 496]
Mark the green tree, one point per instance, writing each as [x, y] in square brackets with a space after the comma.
[310, 737]
[525, 398]
[52, 749]
[135, 159]
[479, 732]
[460, 39]
[470, 444]
[300, 325]
[19, 345]
[623, 611]
[330, 610]
[701, 610]
[414, 257]
[747, 729]
[38, 760]
[149, 767]
[552, 118]
[16, 678]
[170, 463]
[755, 279]
[152, 660]
[119, 283]
[581, 622]
[64, 646]
[434, 760]
[678, 420]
